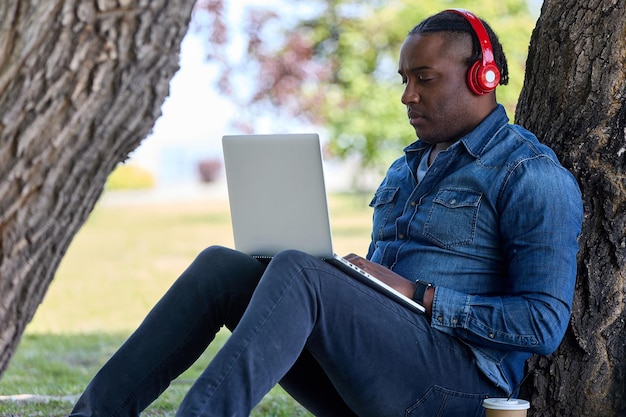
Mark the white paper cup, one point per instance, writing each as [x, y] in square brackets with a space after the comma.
[502, 407]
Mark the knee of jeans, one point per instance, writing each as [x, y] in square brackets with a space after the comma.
[219, 258]
[221, 268]
[292, 261]
[291, 256]
[209, 254]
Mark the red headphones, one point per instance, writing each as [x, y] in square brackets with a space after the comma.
[484, 76]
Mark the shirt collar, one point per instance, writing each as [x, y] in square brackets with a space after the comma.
[475, 141]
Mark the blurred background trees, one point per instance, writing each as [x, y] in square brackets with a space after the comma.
[333, 63]
[82, 83]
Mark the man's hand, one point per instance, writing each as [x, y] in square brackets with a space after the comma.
[397, 282]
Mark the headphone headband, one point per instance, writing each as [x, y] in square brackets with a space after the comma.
[483, 77]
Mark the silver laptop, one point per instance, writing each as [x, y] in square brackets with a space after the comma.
[278, 201]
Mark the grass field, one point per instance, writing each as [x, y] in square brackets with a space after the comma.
[118, 266]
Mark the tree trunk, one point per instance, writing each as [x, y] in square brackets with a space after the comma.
[81, 84]
[574, 100]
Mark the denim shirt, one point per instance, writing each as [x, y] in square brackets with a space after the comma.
[494, 226]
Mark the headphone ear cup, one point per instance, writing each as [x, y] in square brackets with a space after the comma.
[483, 79]
[472, 78]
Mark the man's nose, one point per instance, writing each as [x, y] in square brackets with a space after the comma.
[410, 95]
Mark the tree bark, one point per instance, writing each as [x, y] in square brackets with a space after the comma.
[574, 100]
[81, 84]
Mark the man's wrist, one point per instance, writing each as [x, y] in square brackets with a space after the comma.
[429, 297]
[420, 289]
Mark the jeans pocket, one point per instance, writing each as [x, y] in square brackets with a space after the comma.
[443, 402]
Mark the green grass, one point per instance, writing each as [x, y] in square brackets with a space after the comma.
[118, 266]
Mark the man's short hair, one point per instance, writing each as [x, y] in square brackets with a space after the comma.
[454, 24]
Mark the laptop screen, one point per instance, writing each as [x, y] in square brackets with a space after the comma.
[277, 194]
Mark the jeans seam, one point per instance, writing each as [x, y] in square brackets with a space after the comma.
[153, 372]
[248, 341]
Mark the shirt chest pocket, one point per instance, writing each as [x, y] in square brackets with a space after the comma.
[383, 204]
[452, 218]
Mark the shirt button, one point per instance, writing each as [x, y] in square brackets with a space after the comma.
[491, 335]
[440, 319]
[453, 201]
[454, 321]
[401, 236]
[413, 204]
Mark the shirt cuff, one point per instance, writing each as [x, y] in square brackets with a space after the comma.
[450, 309]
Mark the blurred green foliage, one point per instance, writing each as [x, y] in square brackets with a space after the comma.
[130, 177]
[362, 107]
[336, 66]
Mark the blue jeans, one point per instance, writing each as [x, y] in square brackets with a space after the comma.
[337, 346]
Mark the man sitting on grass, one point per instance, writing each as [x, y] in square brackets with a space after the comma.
[477, 220]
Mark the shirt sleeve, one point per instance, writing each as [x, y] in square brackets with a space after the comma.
[540, 221]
